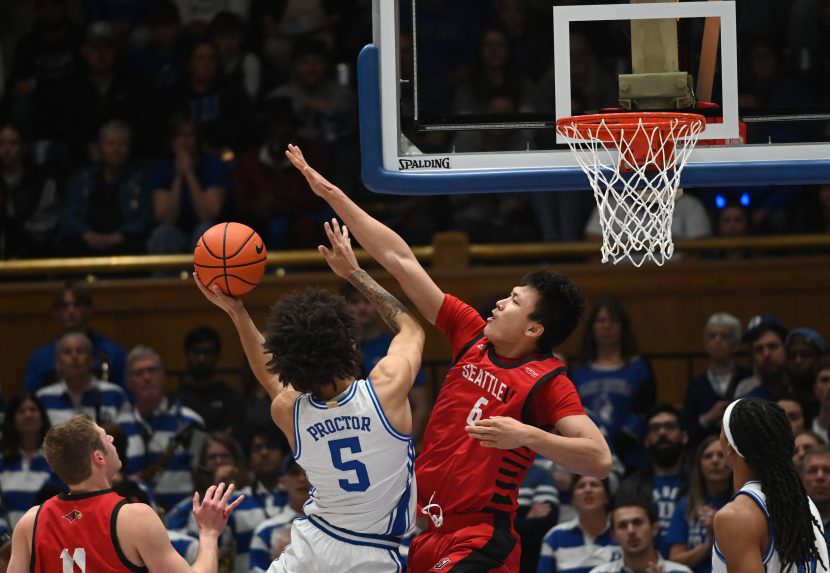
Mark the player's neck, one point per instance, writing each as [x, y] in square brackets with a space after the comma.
[741, 474]
[515, 350]
[95, 482]
[340, 387]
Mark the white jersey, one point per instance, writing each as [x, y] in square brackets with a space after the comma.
[361, 469]
[772, 560]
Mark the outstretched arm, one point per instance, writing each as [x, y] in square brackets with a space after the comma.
[381, 242]
[580, 448]
[394, 374]
[141, 531]
[408, 342]
[249, 335]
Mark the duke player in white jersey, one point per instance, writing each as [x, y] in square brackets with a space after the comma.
[770, 525]
[352, 437]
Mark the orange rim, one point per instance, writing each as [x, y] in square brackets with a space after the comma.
[606, 126]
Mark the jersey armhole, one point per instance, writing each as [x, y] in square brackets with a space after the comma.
[771, 542]
[34, 533]
[117, 545]
[548, 378]
[298, 447]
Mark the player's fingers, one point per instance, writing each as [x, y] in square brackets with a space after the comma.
[195, 500]
[335, 225]
[234, 505]
[217, 493]
[228, 493]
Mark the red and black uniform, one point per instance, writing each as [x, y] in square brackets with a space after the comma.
[76, 532]
[477, 487]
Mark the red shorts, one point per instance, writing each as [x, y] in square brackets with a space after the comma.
[480, 547]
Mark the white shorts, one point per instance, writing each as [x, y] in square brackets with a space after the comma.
[313, 550]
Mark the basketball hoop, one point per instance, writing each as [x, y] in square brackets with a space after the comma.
[633, 163]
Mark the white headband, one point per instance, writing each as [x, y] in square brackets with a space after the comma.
[727, 430]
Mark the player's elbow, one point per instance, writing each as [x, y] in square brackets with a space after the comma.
[601, 465]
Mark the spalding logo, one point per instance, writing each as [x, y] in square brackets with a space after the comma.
[431, 163]
[443, 563]
[73, 516]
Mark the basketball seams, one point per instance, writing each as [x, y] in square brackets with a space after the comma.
[235, 271]
[234, 266]
[242, 246]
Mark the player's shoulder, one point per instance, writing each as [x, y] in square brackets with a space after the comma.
[740, 517]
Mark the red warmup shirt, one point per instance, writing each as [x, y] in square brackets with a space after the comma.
[77, 533]
[463, 475]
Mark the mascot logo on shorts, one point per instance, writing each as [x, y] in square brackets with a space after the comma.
[73, 516]
[441, 564]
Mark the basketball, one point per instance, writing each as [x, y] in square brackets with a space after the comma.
[231, 255]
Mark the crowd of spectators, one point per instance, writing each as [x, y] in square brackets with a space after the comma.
[668, 479]
[130, 127]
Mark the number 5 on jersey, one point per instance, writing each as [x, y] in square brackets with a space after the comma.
[477, 412]
[359, 468]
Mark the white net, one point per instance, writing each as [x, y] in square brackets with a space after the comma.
[633, 164]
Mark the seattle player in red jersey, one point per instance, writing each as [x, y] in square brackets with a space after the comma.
[92, 529]
[503, 397]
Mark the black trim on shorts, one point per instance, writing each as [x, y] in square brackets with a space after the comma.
[494, 553]
[114, 535]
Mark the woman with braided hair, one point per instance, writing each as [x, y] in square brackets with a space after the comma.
[770, 524]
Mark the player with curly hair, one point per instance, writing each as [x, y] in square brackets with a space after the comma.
[352, 436]
[504, 396]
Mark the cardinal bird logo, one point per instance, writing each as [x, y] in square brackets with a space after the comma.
[443, 563]
[73, 516]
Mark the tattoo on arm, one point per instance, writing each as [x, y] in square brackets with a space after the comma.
[388, 306]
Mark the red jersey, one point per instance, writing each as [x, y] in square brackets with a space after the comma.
[76, 532]
[464, 476]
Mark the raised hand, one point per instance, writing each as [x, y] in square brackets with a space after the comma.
[340, 257]
[498, 432]
[319, 184]
[212, 513]
[215, 295]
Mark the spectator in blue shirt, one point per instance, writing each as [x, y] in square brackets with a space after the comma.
[23, 467]
[72, 308]
[188, 188]
[615, 383]
[710, 487]
[665, 478]
[579, 545]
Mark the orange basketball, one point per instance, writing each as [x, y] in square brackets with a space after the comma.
[232, 256]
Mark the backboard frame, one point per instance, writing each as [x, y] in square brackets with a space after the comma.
[391, 164]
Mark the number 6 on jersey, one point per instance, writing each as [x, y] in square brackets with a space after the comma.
[477, 412]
